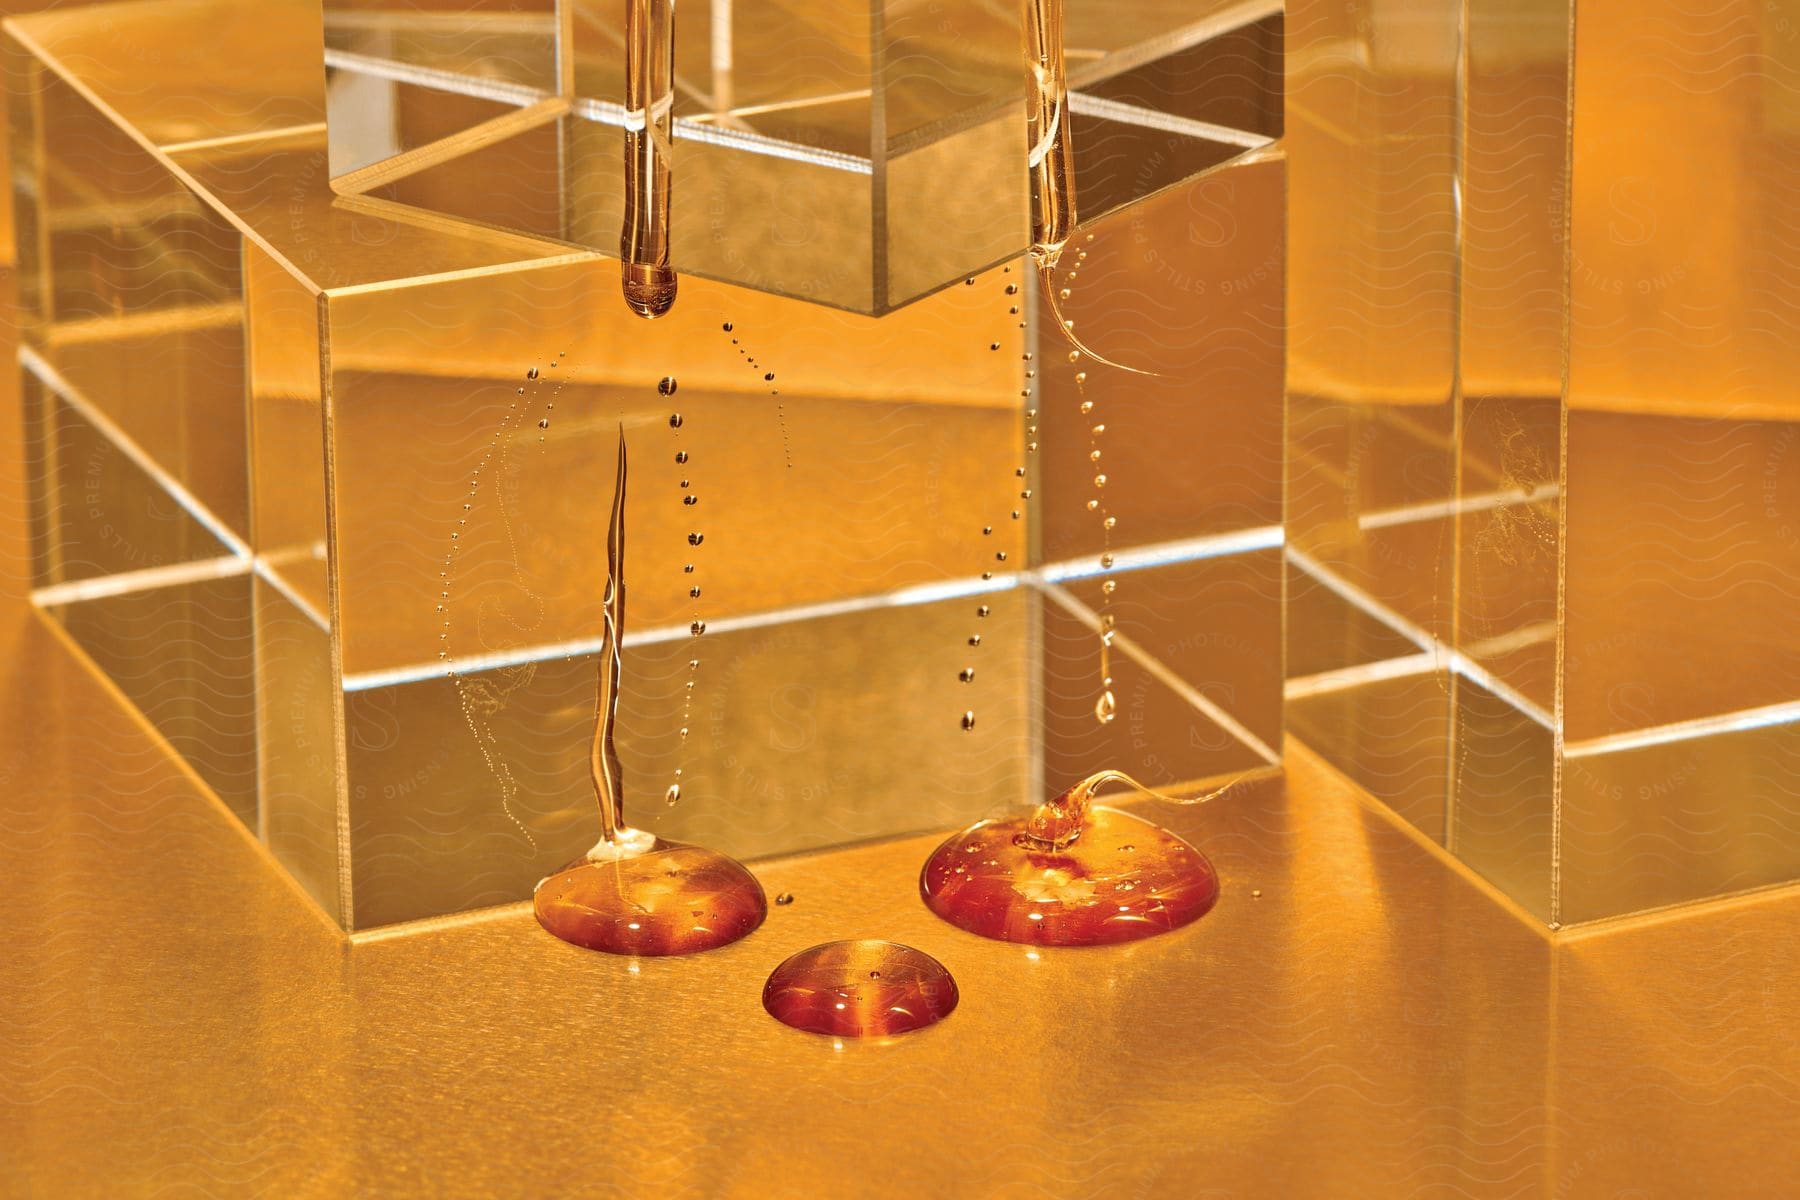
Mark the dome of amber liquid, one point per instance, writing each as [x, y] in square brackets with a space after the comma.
[862, 988]
[669, 899]
[1120, 879]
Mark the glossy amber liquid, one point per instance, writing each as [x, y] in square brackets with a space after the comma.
[863, 988]
[670, 899]
[1119, 880]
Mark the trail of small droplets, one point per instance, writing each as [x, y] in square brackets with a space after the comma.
[1106, 706]
[697, 626]
[787, 450]
[1011, 290]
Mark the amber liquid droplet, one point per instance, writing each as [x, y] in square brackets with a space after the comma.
[669, 899]
[634, 893]
[863, 988]
[1068, 875]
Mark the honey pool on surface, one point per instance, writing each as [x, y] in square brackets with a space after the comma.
[670, 899]
[861, 988]
[1121, 879]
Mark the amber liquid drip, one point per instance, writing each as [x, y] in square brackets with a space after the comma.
[1050, 157]
[1069, 874]
[863, 988]
[649, 283]
[603, 759]
[634, 893]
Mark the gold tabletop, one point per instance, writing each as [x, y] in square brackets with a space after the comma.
[1357, 1017]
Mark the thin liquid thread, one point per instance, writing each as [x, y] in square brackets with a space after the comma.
[520, 676]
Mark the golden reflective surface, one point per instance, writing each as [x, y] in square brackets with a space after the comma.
[1541, 620]
[1375, 1023]
[1680, 642]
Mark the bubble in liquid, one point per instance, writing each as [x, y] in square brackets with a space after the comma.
[987, 529]
[681, 457]
[694, 592]
[1109, 587]
[974, 639]
[1012, 289]
[1109, 524]
[667, 385]
[1106, 560]
[1066, 293]
[1087, 406]
[983, 611]
[726, 327]
[690, 501]
[674, 420]
[993, 345]
[1099, 481]
[769, 377]
[1098, 430]
[544, 423]
[1106, 708]
[785, 899]
[967, 674]
[531, 373]
[694, 539]
[968, 721]
[673, 794]
[697, 628]
[688, 569]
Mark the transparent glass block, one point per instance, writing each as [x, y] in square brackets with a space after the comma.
[256, 407]
[851, 153]
[1602, 700]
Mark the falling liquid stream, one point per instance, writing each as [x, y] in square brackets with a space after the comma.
[634, 893]
[1069, 873]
